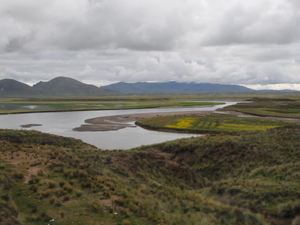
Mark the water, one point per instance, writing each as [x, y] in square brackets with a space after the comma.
[62, 123]
[23, 107]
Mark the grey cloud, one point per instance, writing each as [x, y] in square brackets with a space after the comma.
[17, 43]
[242, 42]
[139, 26]
[267, 23]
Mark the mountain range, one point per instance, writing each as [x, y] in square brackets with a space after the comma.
[57, 87]
[69, 87]
[174, 87]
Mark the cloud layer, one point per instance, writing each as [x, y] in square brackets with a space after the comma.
[99, 41]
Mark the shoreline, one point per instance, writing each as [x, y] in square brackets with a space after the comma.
[79, 110]
[117, 122]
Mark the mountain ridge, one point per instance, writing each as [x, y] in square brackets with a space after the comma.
[174, 87]
[57, 87]
[63, 86]
[69, 87]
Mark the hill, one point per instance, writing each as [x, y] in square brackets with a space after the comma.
[13, 88]
[174, 87]
[64, 86]
[57, 87]
[245, 179]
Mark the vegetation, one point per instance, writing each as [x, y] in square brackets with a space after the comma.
[241, 179]
[26, 105]
[280, 107]
[246, 173]
[209, 123]
[11, 105]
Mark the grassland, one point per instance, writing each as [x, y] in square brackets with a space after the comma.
[280, 107]
[128, 101]
[209, 123]
[247, 173]
[9, 106]
[243, 179]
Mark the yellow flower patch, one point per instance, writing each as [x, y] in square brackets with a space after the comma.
[230, 126]
[183, 123]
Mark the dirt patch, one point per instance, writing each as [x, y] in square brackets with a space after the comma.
[32, 162]
[31, 171]
[109, 202]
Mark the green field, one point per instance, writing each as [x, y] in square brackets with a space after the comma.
[281, 107]
[9, 106]
[209, 123]
[130, 101]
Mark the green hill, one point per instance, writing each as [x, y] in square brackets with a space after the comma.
[240, 179]
[174, 87]
[57, 87]
[13, 88]
[64, 86]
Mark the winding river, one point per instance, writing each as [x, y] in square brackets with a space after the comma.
[62, 123]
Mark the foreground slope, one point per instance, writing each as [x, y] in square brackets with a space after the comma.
[242, 179]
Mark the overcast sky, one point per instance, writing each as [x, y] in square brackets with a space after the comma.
[254, 43]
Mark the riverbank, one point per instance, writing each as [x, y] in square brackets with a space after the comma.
[113, 123]
[20, 106]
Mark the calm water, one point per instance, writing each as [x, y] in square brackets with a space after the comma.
[62, 123]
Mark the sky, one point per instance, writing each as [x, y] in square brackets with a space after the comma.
[253, 43]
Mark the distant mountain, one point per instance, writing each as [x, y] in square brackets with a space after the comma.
[57, 87]
[64, 86]
[174, 87]
[69, 87]
[13, 88]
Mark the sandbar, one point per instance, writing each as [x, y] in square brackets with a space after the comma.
[110, 123]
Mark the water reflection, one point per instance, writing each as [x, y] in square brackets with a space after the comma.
[11, 107]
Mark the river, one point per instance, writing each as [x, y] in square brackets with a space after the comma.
[62, 123]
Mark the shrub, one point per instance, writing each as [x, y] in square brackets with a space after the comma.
[66, 198]
[52, 200]
[78, 193]
[68, 189]
[61, 183]
[96, 207]
[126, 222]
[19, 176]
[51, 185]
[34, 188]
[289, 210]
[45, 194]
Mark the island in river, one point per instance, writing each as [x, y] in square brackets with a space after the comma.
[109, 123]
